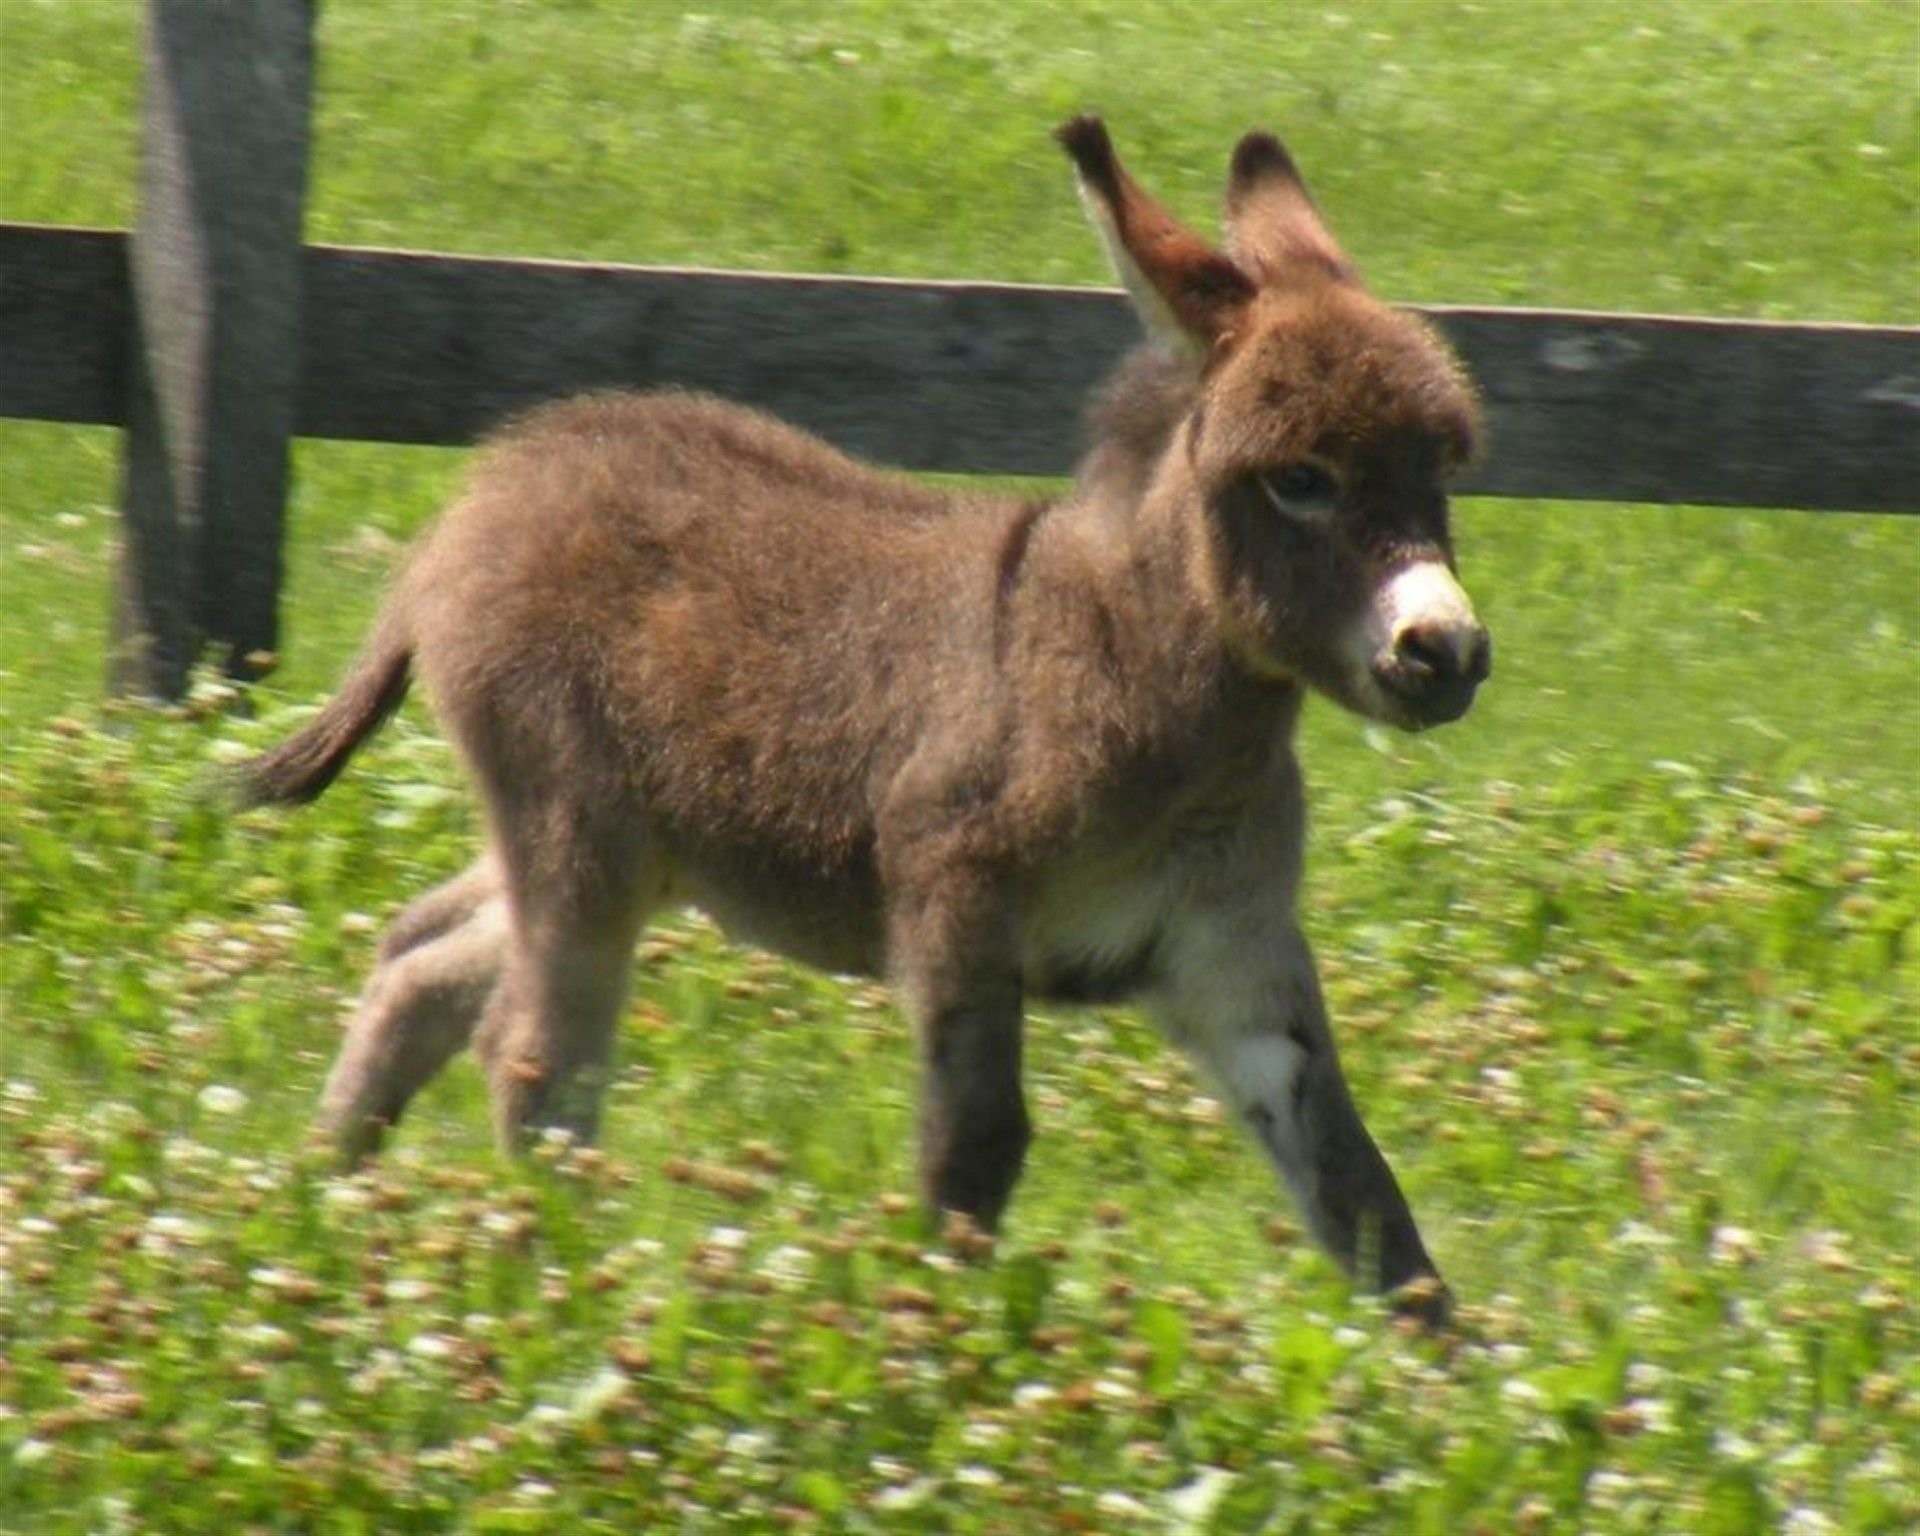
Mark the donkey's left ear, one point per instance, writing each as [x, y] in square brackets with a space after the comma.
[1273, 228]
[1186, 292]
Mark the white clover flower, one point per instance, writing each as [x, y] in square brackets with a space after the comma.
[409, 1288]
[1606, 1489]
[185, 1152]
[432, 1346]
[1884, 1466]
[1735, 1447]
[116, 1115]
[601, 1391]
[1122, 1506]
[973, 1475]
[220, 1099]
[1520, 1390]
[31, 1452]
[748, 1444]
[1802, 1520]
[1733, 1245]
[166, 1227]
[1191, 1505]
[910, 1496]
[788, 1266]
[1655, 1414]
[545, 1415]
[346, 1195]
[1033, 1394]
[378, 1371]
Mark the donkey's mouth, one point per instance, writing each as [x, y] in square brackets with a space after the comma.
[1441, 708]
[1425, 708]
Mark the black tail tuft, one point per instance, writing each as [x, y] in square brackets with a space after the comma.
[302, 766]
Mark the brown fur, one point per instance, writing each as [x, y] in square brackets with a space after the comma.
[988, 748]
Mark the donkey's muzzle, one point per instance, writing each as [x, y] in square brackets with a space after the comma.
[1432, 670]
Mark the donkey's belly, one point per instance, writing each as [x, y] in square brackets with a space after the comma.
[1096, 934]
[827, 920]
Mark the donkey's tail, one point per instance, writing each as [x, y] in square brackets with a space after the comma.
[303, 765]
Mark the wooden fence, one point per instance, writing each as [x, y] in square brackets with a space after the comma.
[211, 335]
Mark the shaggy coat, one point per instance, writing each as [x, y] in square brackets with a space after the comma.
[994, 750]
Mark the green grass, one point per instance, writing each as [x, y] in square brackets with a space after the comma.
[1626, 966]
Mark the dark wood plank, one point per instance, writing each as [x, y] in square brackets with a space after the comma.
[938, 376]
[214, 270]
[64, 318]
[1718, 412]
[408, 347]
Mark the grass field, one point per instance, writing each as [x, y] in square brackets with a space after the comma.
[1626, 966]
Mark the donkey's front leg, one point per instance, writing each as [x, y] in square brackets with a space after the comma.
[1258, 1024]
[954, 962]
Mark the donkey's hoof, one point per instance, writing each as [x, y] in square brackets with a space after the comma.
[1425, 1302]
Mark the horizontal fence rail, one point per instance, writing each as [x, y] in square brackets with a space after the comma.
[980, 377]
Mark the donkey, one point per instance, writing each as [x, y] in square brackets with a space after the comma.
[992, 750]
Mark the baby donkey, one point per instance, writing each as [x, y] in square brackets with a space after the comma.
[993, 750]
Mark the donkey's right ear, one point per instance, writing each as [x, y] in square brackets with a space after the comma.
[1272, 225]
[1186, 292]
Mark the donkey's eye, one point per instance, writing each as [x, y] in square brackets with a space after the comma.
[1299, 490]
[1302, 482]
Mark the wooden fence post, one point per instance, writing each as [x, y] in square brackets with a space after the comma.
[215, 270]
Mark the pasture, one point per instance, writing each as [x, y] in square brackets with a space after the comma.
[1626, 965]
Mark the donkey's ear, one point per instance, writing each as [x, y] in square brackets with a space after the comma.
[1273, 229]
[1185, 291]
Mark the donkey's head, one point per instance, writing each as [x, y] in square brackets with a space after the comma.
[1315, 445]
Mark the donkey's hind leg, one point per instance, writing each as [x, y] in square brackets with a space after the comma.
[438, 963]
[581, 886]
[443, 908]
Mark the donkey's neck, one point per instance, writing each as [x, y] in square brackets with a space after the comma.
[1139, 565]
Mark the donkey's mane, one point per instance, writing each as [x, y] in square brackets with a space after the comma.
[1132, 418]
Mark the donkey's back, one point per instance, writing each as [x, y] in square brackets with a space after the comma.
[689, 609]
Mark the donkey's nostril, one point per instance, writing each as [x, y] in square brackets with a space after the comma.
[1480, 658]
[1425, 655]
[1433, 669]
